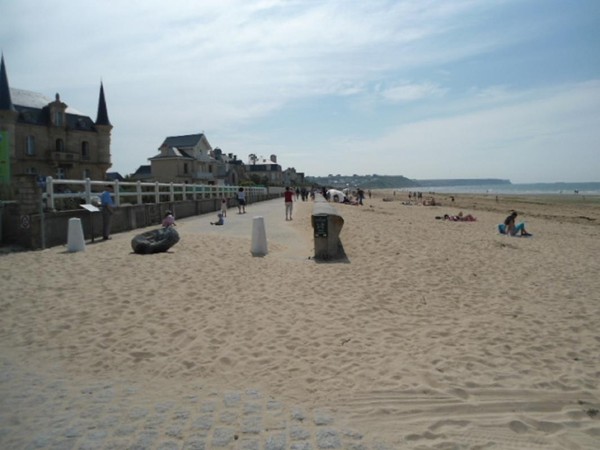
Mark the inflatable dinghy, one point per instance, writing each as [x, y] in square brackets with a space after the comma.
[155, 241]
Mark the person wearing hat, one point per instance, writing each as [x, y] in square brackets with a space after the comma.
[169, 220]
[107, 204]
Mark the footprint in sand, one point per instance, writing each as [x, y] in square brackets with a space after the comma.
[518, 427]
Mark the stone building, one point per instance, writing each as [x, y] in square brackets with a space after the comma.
[191, 159]
[44, 137]
[265, 171]
[293, 178]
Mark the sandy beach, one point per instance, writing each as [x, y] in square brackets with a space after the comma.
[430, 335]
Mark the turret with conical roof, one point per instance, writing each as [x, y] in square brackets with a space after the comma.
[6, 103]
[102, 116]
[103, 127]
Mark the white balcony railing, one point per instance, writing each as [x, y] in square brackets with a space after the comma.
[139, 192]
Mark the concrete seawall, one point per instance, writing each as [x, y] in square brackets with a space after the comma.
[48, 229]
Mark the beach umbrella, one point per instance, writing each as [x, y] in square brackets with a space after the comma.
[334, 192]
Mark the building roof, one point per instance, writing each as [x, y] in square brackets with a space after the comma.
[265, 167]
[144, 170]
[30, 99]
[102, 116]
[172, 152]
[33, 106]
[112, 176]
[190, 140]
[33, 109]
[5, 97]
[142, 173]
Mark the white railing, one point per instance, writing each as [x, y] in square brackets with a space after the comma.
[138, 191]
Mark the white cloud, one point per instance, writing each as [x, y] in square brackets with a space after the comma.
[410, 92]
[541, 135]
[231, 65]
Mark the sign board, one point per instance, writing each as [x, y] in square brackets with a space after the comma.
[90, 208]
[25, 222]
[320, 226]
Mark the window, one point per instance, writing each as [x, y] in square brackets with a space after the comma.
[60, 145]
[31, 171]
[30, 146]
[185, 168]
[58, 118]
[85, 150]
[87, 173]
[61, 173]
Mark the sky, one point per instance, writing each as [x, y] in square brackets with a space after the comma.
[422, 88]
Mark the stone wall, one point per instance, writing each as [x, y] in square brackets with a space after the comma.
[32, 229]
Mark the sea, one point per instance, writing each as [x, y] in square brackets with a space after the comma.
[592, 188]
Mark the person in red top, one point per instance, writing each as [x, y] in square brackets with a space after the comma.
[288, 197]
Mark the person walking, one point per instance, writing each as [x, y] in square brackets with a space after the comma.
[241, 198]
[361, 196]
[288, 197]
[107, 204]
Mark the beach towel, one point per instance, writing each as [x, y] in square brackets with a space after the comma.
[502, 230]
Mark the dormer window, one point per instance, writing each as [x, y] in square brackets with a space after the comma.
[57, 112]
[58, 118]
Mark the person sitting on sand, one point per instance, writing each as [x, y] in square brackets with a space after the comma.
[460, 217]
[512, 229]
[169, 220]
[467, 218]
[220, 221]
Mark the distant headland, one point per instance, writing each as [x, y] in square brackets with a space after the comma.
[398, 181]
[463, 182]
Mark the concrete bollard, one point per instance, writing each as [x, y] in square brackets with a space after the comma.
[259, 237]
[75, 240]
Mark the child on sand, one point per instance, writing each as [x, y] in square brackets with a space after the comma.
[220, 221]
[168, 220]
[224, 207]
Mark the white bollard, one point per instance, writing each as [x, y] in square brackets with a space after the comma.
[75, 241]
[259, 237]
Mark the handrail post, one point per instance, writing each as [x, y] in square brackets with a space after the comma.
[117, 193]
[156, 193]
[138, 190]
[50, 193]
[171, 192]
[88, 191]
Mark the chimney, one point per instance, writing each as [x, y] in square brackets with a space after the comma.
[274, 159]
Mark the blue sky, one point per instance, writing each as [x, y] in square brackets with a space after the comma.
[420, 88]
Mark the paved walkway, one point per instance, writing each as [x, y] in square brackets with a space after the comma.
[52, 411]
[41, 411]
[278, 230]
